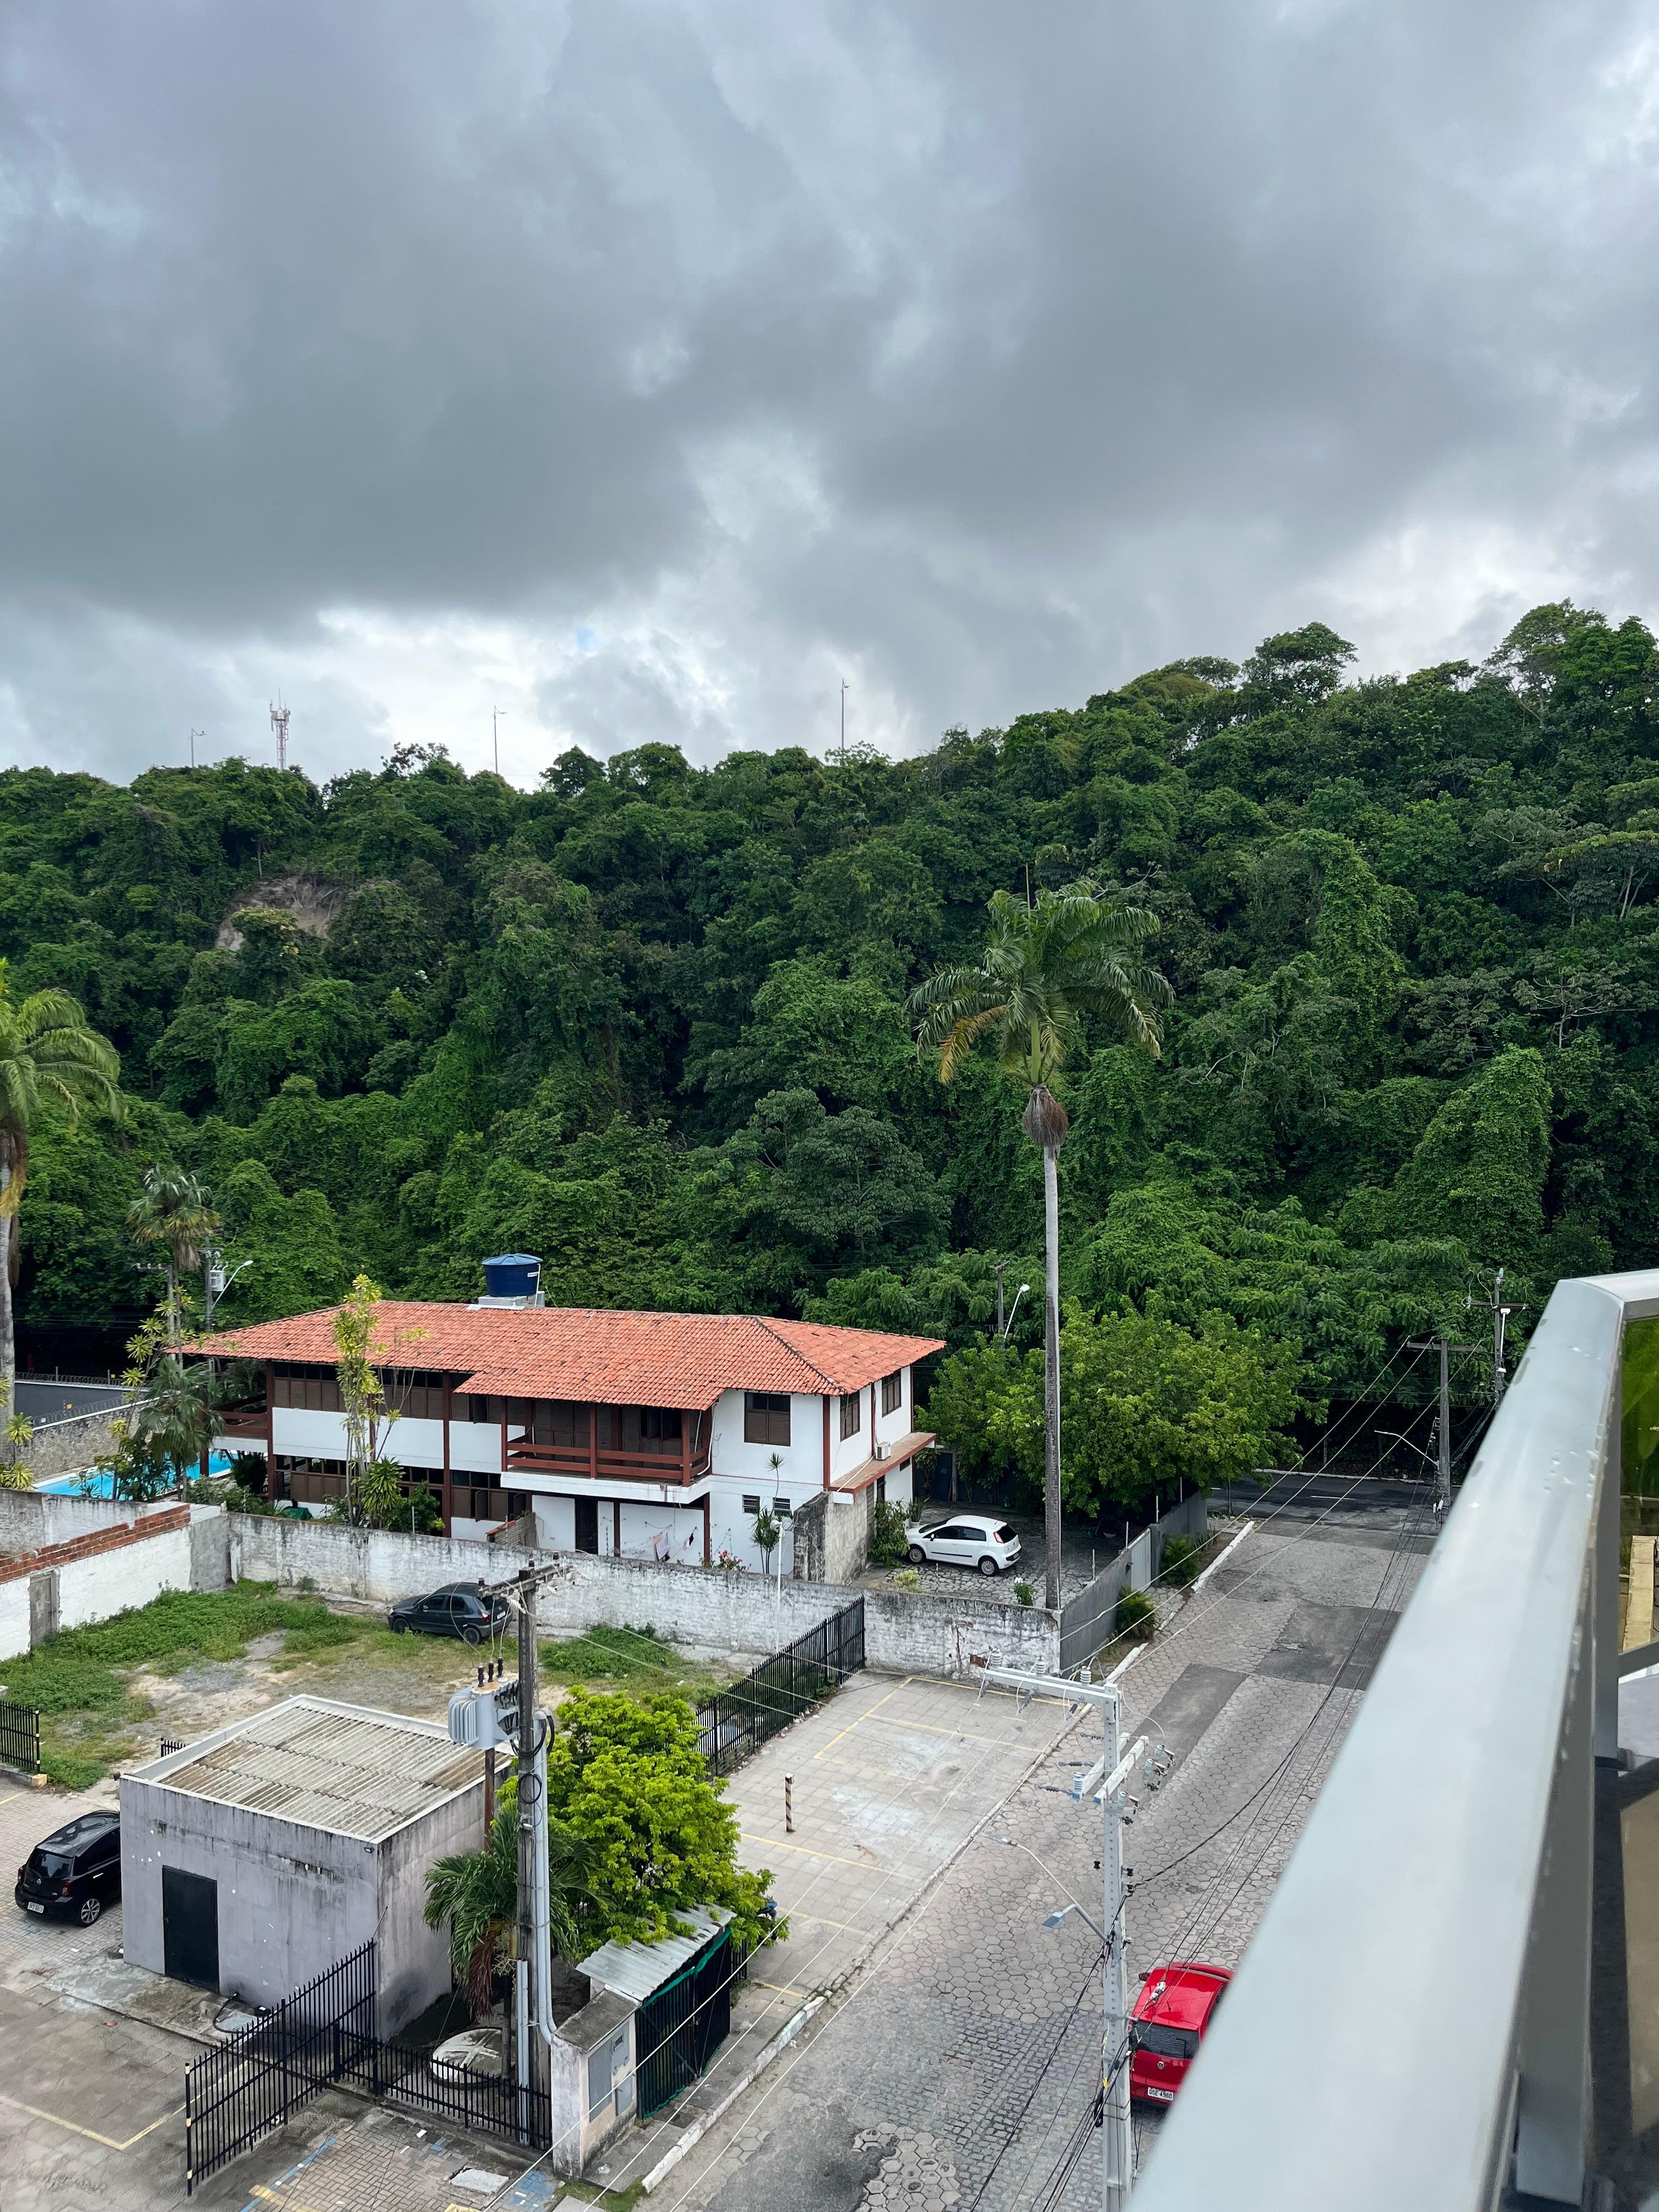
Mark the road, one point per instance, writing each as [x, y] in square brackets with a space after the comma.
[956, 2068]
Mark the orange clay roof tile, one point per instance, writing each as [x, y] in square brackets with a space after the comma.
[597, 1357]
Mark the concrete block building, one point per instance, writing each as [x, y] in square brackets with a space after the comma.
[258, 1856]
[630, 1435]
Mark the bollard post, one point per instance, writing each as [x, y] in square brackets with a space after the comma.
[788, 1804]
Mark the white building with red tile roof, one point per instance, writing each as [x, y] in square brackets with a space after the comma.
[644, 1435]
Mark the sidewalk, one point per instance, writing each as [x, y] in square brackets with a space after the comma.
[890, 1779]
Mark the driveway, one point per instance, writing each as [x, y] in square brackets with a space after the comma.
[964, 2061]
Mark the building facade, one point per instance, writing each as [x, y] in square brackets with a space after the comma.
[637, 1435]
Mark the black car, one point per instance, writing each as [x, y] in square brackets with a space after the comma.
[75, 1872]
[458, 1609]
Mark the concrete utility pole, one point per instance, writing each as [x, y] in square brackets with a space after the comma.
[1105, 1782]
[1500, 1316]
[533, 1966]
[1001, 1267]
[1443, 1455]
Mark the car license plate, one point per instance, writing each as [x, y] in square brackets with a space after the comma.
[37, 1908]
[1163, 2096]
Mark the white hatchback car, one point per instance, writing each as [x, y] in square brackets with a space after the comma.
[967, 1539]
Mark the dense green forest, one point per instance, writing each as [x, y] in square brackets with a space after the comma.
[649, 1020]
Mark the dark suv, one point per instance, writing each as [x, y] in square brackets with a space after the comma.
[458, 1609]
[75, 1872]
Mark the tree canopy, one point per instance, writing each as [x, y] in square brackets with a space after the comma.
[649, 1019]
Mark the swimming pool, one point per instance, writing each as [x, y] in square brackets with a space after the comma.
[102, 1485]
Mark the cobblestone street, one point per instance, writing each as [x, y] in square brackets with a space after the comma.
[956, 2069]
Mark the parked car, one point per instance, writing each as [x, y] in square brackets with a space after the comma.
[75, 1872]
[967, 1539]
[458, 1609]
[475, 2052]
[1174, 2007]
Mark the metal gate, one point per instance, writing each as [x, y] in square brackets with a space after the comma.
[678, 2028]
[19, 1737]
[254, 2084]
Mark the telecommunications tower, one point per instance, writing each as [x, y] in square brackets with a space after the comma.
[279, 723]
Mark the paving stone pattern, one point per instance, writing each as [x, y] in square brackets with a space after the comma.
[956, 2068]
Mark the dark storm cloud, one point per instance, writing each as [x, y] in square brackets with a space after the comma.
[991, 353]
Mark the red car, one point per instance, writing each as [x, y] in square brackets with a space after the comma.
[1175, 2005]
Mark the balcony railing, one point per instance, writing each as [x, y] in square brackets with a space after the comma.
[243, 1421]
[607, 1466]
[1412, 2026]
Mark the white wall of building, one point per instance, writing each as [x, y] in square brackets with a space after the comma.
[110, 1581]
[475, 1445]
[659, 1532]
[15, 1617]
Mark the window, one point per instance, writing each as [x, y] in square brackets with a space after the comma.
[780, 1507]
[852, 1413]
[752, 1505]
[660, 1421]
[765, 1418]
[892, 1391]
[881, 1490]
[1165, 2042]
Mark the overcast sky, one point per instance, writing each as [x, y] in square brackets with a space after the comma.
[643, 367]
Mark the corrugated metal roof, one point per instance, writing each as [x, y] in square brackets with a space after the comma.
[636, 1970]
[597, 1357]
[345, 1769]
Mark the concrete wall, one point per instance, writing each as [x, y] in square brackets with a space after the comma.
[912, 1632]
[15, 1636]
[66, 1447]
[1085, 1620]
[293, 1899]
[31, 1518]
[832, 1540]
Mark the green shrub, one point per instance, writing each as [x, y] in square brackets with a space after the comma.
[1137, 1617]
[889, 1536]
[1024, 1593]
[908, 1579]
[1181, 1559]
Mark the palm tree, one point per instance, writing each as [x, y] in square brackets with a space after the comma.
[172, 1210]
[1075, 952]
[47, 1054]
[477, 1892]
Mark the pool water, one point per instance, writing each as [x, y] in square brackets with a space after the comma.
[102, 1485]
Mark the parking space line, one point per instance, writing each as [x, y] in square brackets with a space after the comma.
[91, 2134]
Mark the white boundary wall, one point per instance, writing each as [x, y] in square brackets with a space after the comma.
[905, 1632]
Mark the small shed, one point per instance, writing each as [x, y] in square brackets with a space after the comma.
[258, 1856]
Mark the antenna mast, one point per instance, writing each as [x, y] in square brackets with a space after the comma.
[279, 715]
[843, 721]
[495, 732]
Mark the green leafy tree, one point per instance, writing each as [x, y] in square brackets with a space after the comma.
[476, 1893]
[47, 1054]
[1044, 969]
[626, 1777]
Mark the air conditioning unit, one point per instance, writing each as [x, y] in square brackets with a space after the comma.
[884, 1451]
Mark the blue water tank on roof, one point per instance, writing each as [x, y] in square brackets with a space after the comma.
[513, 1275]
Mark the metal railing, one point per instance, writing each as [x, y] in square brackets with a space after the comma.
[736, 1721]
[1412, 2024]
[238, 2095]
[19, 1737]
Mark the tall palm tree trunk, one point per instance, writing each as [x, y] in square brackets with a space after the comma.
[8, 1324]
[1051, 1529]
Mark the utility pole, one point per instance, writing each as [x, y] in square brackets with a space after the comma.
[194, 734]
[1500, 1315]
[1001, 1266]
[1442, 1453]
[1105, 1782]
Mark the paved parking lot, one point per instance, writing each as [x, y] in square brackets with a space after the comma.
[956, 2069]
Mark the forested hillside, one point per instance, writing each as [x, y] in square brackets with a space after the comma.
[649, 1020]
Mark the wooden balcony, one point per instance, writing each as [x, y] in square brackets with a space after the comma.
[584, 1463]
[244, 1421]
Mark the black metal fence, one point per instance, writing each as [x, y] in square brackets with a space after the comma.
[254, 2083]
[170, 1744]
[792, 1680]
[19, 1737]
[325, 2033]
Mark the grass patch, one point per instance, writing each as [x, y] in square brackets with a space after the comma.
[77, 1679]
[636, 1659]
